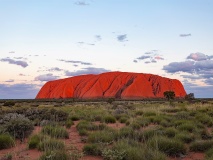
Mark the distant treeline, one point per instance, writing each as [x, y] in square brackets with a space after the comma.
[69, 100]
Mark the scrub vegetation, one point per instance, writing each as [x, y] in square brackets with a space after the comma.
[109, 130]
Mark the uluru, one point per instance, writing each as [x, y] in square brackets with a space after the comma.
[119, 85]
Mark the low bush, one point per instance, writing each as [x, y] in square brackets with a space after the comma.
[132, 150]
[135, 126]
[204, 119]
[9, 103]
[6, 141]
[55, 131]
[190, 127]
[139, 113]
[10, 116]
[185, 137]
[201, 145]
[112, 154]
[104, 136]
[85, 125]
[54, 155]
[74, 118]
[143, 121]
[205, 134]
[209, 154]
[92, 149]
[83, 132]
[182, 115]
[69, 123]
[171, 110]
[149, 113]
[123, 119]
[171, 147]
[165, 123]
[109, 119]
[149, 133]
[33, 142]
[19, 128]
[51, 145]
[126, 132]
[170, 132]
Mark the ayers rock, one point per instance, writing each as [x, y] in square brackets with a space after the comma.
[122, 85]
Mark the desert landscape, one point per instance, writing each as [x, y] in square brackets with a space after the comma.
[108, 130]
[106, 80]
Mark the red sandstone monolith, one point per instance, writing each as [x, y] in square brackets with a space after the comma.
[122, 85]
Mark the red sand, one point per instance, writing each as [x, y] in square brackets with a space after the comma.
[122, 85]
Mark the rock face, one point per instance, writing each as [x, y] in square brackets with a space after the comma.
[121, 85]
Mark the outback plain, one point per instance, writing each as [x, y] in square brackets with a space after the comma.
[68, 129]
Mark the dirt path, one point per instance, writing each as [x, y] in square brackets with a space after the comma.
[75, 142]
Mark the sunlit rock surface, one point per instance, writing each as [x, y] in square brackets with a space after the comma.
[123, 85]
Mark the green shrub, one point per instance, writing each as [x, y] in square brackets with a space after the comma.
[135, 125]
[123, 119]
[85, 125]
[201, 145]
[92, 149]
[52, 114]
[171, 110]
[171, 147]
[149, 113]
[83, 132]
[126, 132]
[143, 121]
[209, 153]
[9, 103]
[127, 123]
[6, 141]
[74, 118]
[33, 142]
[98, 118]
[19, 128]
[54, 155]
[185, 137]
[112, 154]
[105, 136]
[205, 134]
[10, 116]
[170, 132]
[165, 123]
[187, 127]
[132, 150]
[55, 131]
[51, 145]
[109, 119]
[204, 119]
[182, 115]
[69, 123]
[139, 113]
[149, 133]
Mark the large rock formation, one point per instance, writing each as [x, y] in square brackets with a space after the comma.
[112, 84]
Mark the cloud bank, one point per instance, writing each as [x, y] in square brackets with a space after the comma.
[88, 70]
[23, 64]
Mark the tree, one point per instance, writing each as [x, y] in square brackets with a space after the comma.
[190, 96]
[169, 95]
[110, 100]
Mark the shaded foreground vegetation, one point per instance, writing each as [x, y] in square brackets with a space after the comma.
[149, 130]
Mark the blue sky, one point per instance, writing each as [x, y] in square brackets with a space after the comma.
[43, 40]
